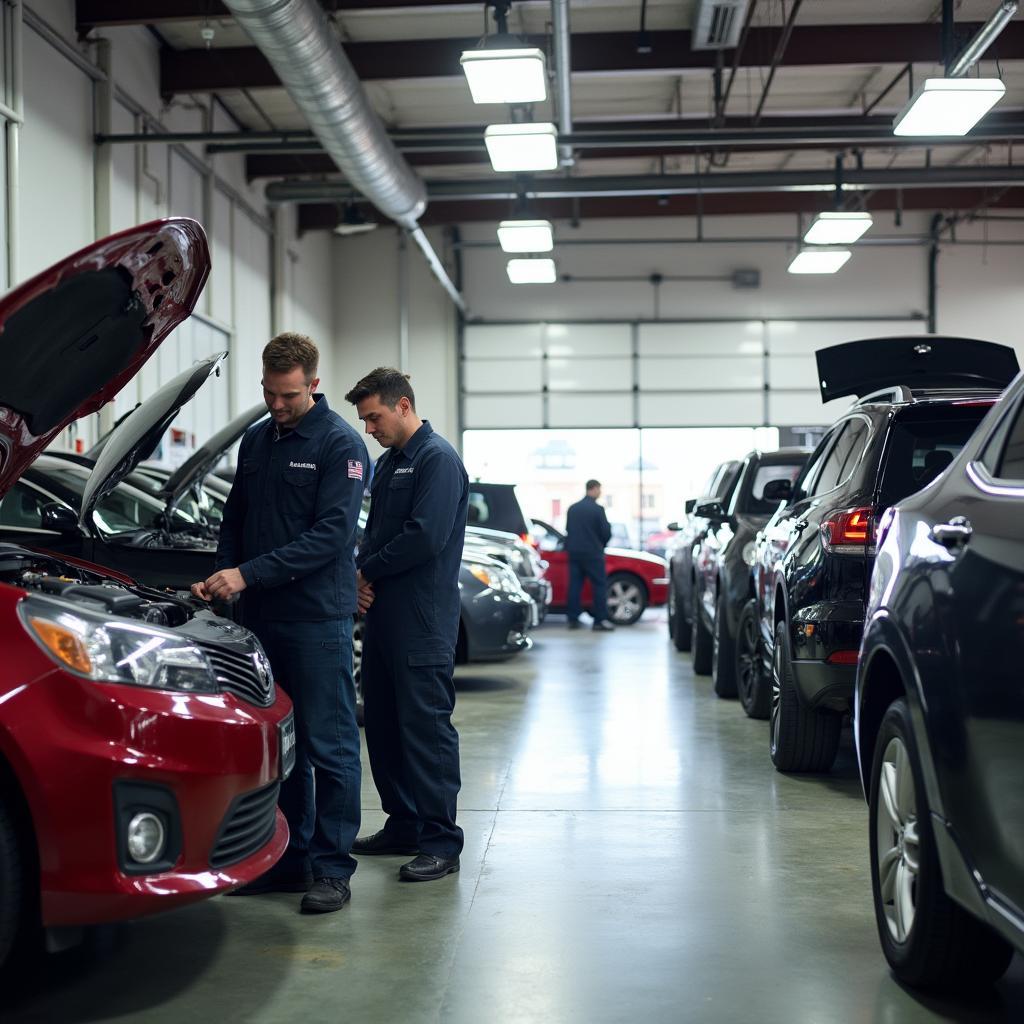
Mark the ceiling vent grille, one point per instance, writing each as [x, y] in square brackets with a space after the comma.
[717, 24]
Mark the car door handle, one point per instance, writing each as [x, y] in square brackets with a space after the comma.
[952, 534]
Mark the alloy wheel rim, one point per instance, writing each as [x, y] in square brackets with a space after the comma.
[623, 601]
[716, 642]
[776, 698]
[747, 659]
[897, 840]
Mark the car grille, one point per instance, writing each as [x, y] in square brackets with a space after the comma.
[247, 827]
[241, 674]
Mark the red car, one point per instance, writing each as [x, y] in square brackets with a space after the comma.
[142, 738]
[636, 579]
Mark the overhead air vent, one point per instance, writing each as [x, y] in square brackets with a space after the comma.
[717, 24]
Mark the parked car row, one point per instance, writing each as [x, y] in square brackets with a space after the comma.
[888, 587]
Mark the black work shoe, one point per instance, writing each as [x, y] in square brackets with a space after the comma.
[325, 895]
[382, 845]
[277, 879]
[426, 868]
[604, 626]
[574, 624]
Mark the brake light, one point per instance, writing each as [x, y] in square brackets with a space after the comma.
[849, 531]
[842, 658]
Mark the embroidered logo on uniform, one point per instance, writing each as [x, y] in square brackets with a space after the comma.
[302, 465]
[404, 469]
[355, 469]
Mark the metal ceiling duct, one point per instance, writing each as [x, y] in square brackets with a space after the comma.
[298, 40]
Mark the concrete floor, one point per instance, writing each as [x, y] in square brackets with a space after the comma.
[631, 855]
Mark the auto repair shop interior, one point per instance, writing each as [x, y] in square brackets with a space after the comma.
[755, 266]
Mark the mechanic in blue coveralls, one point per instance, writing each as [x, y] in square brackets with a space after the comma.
[287, 541]
[409, 588]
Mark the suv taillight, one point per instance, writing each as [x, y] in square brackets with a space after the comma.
[849, 531]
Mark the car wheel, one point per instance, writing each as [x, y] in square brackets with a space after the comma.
[701, 642]
[930, 941]
[12, 890]
[678, 624]
[723, 653]
[627, 598]
[357, 666]
[751, 686]
[802, 739]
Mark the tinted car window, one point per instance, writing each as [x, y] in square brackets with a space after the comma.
[22, 507]
[922, 445]
[1011, 466]
[497, 508]
[843, 458]
[813, 468]
[726, 482]
[755, 503]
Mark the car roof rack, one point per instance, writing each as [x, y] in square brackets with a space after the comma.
[896, 393]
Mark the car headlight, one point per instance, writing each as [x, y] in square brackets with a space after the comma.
[750, 552]
[496, 577]
[112, 650]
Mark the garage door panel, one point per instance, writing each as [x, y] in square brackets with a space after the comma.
[803, 408]
[714, 408]
[511, 411]
[590, 410]
[790, 337]
[743, 373]
[504, 375]
[590, 374]
[502, 341]
[564, 340]
[737, 338]
[797, 372]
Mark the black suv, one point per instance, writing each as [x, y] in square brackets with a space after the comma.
[816, 554]
[681, 549]
[724, 555]
[939, 715]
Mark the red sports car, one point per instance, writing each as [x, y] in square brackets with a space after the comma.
[636, 579]
[142, 738]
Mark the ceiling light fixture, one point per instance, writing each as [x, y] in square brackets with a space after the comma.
[838, 227]
[819, 261]
[948, 106]
[515, 74]
[526, 236]
[522, 147]
[352, 222]
[531, 271]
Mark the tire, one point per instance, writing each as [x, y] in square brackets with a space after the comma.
[929, 941]
[701, 641]
[801, 739]
[678, 624]
[751, 686]
[627, 598]
[357, 667]
[723, 653]
[12, 882]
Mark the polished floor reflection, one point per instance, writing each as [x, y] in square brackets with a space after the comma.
[631, 855]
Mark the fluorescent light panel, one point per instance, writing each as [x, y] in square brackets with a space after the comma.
[526, 236]
[506, 76]
[819, 261]
[522, 147]
[531, 271]
[839, 228]
[948, 106]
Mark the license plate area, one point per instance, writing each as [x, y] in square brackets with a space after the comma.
[286, 745]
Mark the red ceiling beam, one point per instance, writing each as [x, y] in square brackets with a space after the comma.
[810, 46]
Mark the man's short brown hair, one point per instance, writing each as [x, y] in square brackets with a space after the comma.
[388, 384]
[283, 353]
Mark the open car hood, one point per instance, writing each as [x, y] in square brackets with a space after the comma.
[198, 465]
[920, 361]
[73, 336]
[139, 434]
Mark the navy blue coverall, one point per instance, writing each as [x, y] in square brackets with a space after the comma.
[411, 553]
[289, 526]
[586, 534]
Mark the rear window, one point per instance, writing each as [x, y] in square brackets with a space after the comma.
[922, 445]
[496, 507]
[754, 504]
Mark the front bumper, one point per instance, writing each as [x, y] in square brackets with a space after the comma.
[657, 590]
[84, 745]
[497, 629]
[540, 590]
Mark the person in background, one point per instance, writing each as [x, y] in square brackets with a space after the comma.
[586, 533]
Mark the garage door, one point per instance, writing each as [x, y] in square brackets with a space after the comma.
[741, 373]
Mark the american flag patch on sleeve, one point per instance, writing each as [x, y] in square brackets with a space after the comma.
[355, 469]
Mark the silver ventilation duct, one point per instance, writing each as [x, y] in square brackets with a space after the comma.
[298, 40]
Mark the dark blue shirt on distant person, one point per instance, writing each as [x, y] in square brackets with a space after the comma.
[586, 528]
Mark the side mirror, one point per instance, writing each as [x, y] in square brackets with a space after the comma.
[710, 510]
[673, 527]
[690, 505]
[58, 518]
[777, 490]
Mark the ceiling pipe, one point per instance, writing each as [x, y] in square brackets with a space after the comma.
[563, 70]
[674, 184]
[983, 39]
[299, 41]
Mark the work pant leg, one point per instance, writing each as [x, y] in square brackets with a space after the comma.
[312, 662]
[384, 741]
[573, 605]
[595, 570]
